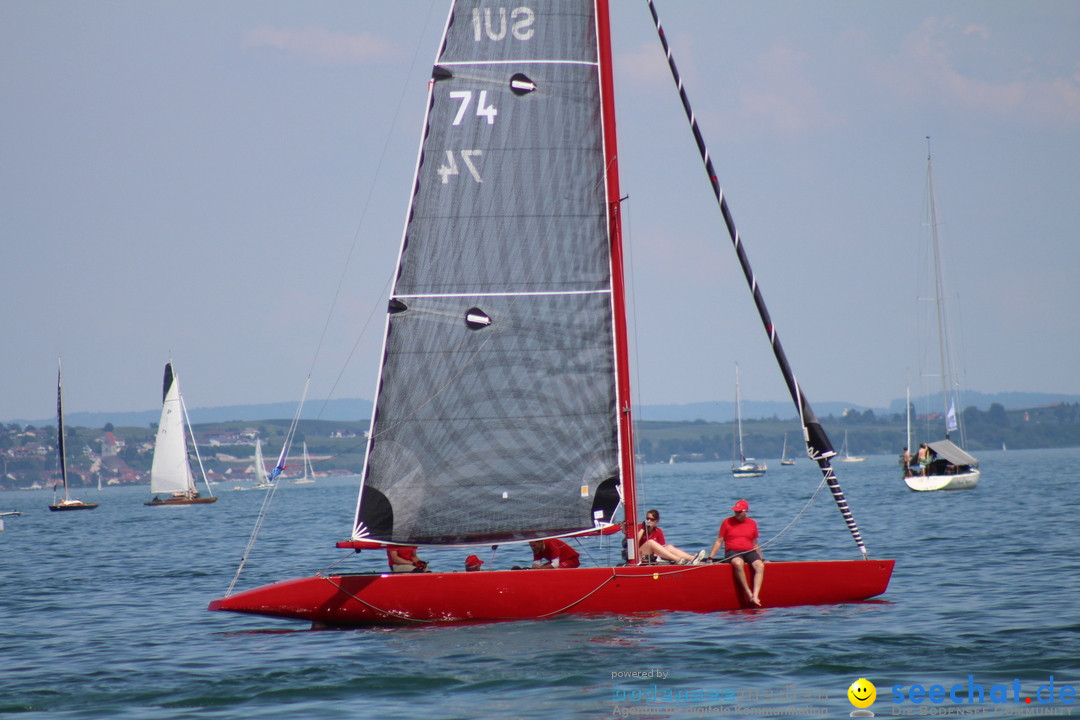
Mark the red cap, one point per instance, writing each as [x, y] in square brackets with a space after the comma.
[741, 505]
[473, 560]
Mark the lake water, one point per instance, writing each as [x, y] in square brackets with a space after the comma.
[102, 613]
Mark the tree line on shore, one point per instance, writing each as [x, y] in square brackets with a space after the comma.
[28, 456]
[867, 434]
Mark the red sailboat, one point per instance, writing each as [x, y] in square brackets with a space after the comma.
[502, 412]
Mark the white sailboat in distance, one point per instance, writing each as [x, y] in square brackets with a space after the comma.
[945, 465]
[170, 472]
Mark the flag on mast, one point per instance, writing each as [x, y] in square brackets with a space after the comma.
[950, 418]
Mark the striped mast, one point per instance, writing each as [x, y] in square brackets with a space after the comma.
[818, 446]
[618, 289]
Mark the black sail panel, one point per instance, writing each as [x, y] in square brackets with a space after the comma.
[495, 417]
[60, 452]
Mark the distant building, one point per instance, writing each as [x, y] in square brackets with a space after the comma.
[216, 438]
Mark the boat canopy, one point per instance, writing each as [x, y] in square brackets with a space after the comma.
[948, 450]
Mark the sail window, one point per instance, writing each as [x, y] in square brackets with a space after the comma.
[606, 499]
[475, 319]
[520, 84]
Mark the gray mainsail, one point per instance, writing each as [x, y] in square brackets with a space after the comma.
[495, 416]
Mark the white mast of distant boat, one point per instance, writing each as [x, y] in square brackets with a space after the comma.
[742, 466]
[309, 472]
[963, 472]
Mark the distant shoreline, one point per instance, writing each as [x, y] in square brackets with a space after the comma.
[358, 409]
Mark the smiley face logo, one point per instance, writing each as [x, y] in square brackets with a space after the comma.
[862, 693]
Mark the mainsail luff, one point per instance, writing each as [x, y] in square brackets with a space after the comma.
[496, 412]
[628, 483]
[818, 446]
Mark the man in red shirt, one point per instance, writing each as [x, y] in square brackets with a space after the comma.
[740, 536]
[552, 553]
[403, 558]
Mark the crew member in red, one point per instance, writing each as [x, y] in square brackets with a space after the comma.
[402, 558]
[552, 553]
[739, 536]
[651, 543]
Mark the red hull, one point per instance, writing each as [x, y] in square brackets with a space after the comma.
[402, 599]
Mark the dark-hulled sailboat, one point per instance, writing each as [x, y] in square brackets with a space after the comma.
[67, 502]
[503, 404]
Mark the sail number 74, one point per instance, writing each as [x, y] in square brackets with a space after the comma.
[450, 167]
[482, 108]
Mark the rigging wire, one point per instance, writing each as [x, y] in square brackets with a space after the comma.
[191, 431]
[628, 260]
[287, 444]
[405, 89]
[268, 497]
[797, 518]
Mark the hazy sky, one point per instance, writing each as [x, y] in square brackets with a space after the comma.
[196, 180]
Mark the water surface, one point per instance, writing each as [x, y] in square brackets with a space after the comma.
[103, 612]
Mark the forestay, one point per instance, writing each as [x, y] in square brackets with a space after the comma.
[496, 413]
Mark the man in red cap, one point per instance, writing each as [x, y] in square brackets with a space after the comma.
[740, 536]
[473, 563]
